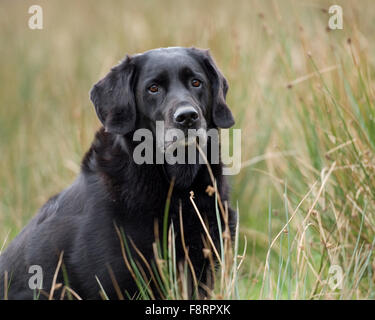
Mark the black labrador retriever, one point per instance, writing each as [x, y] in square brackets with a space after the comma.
[82, 226]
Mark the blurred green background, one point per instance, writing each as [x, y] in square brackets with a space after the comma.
[297, 90]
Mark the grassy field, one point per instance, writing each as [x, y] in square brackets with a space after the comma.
[303, 96]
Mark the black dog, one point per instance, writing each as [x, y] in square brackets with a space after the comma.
[183, 88]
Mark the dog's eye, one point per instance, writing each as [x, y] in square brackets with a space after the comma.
[196, 83]
[154, 88]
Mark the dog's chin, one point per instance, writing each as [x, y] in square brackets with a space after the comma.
[182, 174]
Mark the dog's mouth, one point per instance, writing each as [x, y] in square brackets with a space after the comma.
[187, 141]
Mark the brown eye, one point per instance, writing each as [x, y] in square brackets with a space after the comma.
[196, 83]
[154, 88]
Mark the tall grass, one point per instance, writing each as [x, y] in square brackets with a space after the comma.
[168, 278]
[303, 96]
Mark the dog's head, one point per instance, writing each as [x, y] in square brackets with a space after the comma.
[181, 86]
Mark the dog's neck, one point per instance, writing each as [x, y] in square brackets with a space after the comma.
[111, 157]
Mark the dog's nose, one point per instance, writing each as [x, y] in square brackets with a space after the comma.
[186, 116]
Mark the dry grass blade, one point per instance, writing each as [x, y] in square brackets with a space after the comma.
[186, 251]
[75, 294]
[6, 285]
[205, 228]
[54, 285]
[310, 75]
[212, 178]
[4, 242]
[115, 283]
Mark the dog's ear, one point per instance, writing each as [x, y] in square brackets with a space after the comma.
[221, 115]
[114, 100]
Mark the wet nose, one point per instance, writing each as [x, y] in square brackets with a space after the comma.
[186, 116]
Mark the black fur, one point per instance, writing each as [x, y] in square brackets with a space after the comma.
[113, 190]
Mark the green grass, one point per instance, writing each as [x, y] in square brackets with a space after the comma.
[302, 96]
